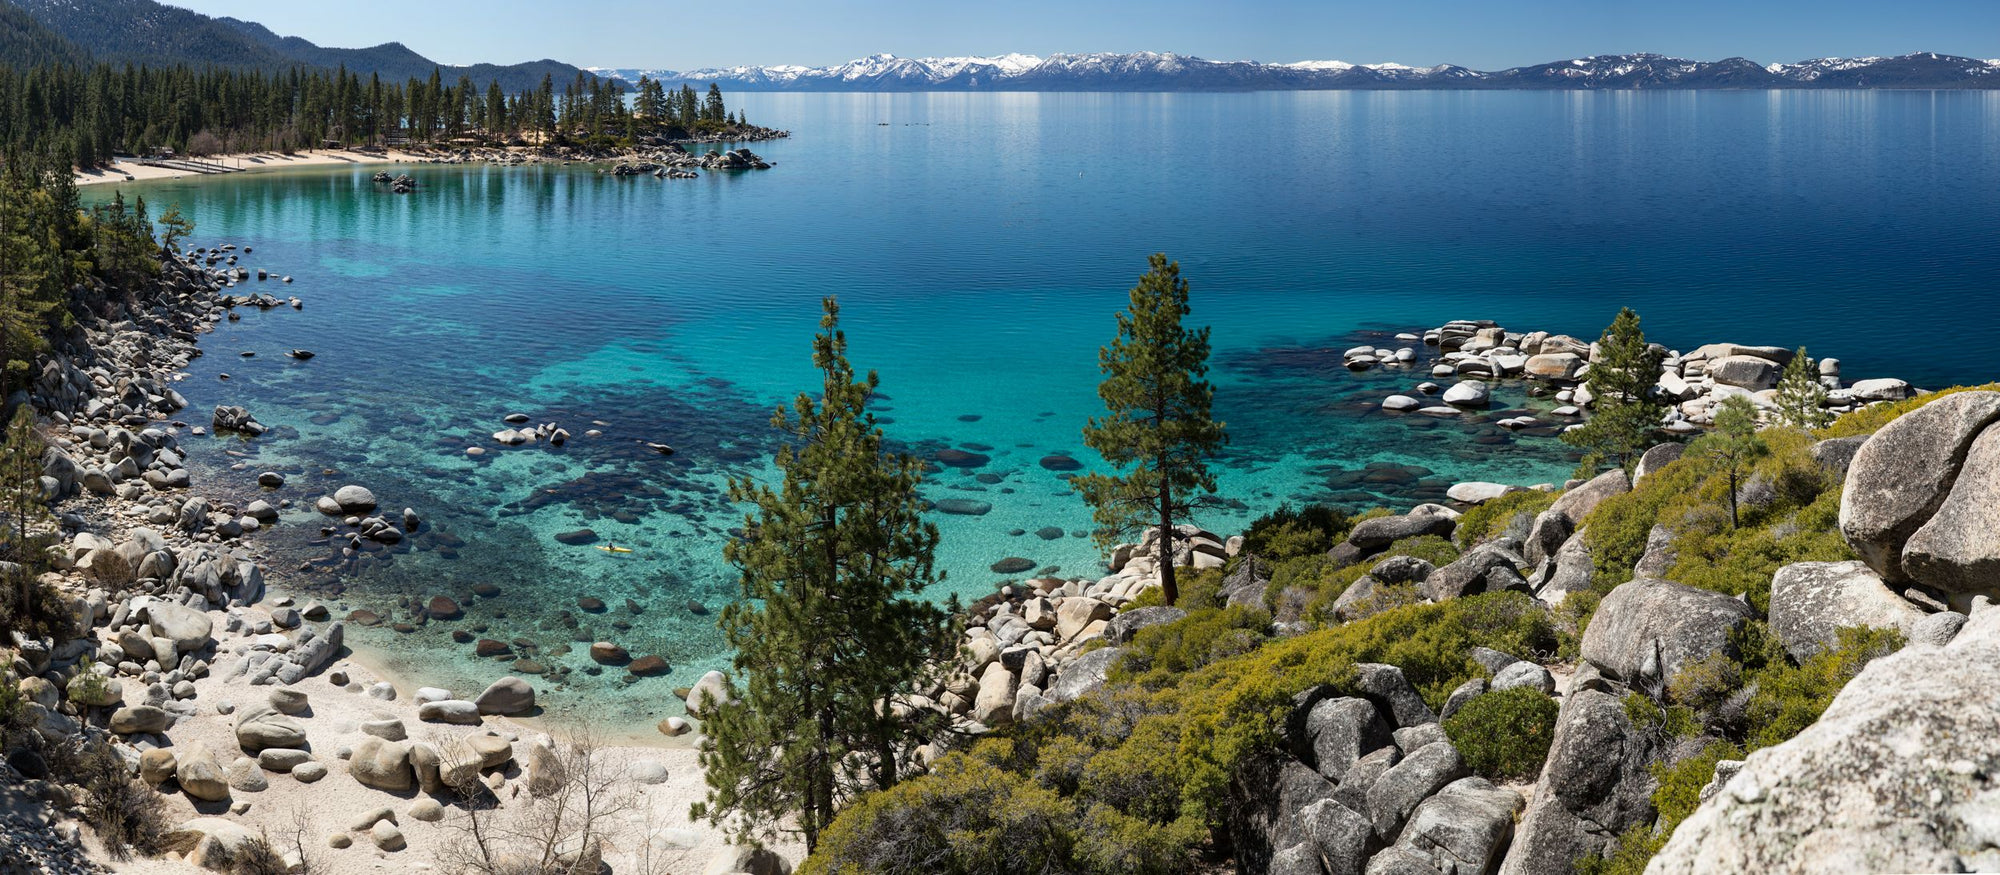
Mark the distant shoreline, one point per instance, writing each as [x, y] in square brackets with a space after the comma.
[131, 170]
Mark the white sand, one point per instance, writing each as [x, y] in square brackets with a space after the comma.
[657, 812]
[128, 170]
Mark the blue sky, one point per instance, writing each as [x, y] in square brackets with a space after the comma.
[1484, 34]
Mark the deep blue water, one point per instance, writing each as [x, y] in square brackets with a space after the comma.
[979, 245]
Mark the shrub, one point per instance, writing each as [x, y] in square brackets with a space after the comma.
[1288, 533]
[967, 817]
[1870, 419]
[1487, 520]
[1204, 636]
[1197, 589]
[1789, 698]
[1505, 736]
[127, 815]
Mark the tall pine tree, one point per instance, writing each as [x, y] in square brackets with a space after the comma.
[1801, 398]
[1625, 412]
[1157, 421]
[828, 633]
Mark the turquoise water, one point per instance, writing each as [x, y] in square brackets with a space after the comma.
[979, 244]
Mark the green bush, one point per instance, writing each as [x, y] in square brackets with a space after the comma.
[966, 817]
[1870, 419]
[1484, 521]
[1505, 736]
[1289, 532]
[1198, 589]
[1204, 636]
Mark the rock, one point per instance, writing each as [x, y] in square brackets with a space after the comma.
[354, 499]
[1957, 550]
[443, 608]
[261, 726]
[1339, 731]
[577, 538]
[1244, 586]
[156, 766]
[1335, 837]
[1373, 535]
[1480, 570]
[457, 712]
[1576, 504]
[1267, 797]
[1422, 773]
[1746, 372]
[994, 703]
[1465, 827]
[1013, 565]
[426, 810]
[1596, 783]
[286, 700]
[964, 507]
[1647, 630]
[1478, 492]
[1469, 393]
[308, 772]
[1128, 623]
[382, 765]
[139, 719]
[244, 775]
[1076, 614]
[1660, 456]
[607, 653]
[492, 751]
[386, 728]
[387, 837]
[508, 696]
[1902, 474]
[712, 687]
[1401, 402]
[649, 667]
[1811, 600]
[221, 842]
[282, 759]
[1938, 629]
[673, 727]
[200, 776]
[190, 630]
[546, 772]
[1884, 389]
[1524, 674]
[1399, 701]
[1083, 675]
[737, 860]
[1556, 366]
[1894, 777]
[1836, 454]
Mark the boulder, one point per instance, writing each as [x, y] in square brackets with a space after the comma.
[1076, 614]
[1571, 572]
[1958, 549]
[1480, 570]
[1268, 796]
[994, 704]
[1128, 623]
[1577, 503]
[1881, 389]
[1647, 630]
[712, 687]
[1902, 474]
[189, 629]
[286, 700]
[1746, 372]
[354, 499]
[739, 860]
[261, 726]
[1407, 784]
[1244, 586]
[457, 712]
[1896, 776]
[1811, 600]
[156, 766]
[200, 776]
[1339, 731]
[1393, 693]
[1468, 393]
[1524, 674]
[382, 765]
[1082, 675]
[1596, 784]
[134, 719]
[1478, 492]
[1836, 454]
[1554, 366]
[1465, 827]
[1660, 456]
[1374, 534]
[507, 696]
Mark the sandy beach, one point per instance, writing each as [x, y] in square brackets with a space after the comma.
[131, 170]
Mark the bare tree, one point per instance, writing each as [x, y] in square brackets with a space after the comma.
[558, 827]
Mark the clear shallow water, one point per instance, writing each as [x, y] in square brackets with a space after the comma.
[979, 245]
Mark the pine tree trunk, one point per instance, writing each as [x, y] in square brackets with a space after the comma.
[1167, 587]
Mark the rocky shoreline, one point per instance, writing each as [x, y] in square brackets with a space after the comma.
[231, 703]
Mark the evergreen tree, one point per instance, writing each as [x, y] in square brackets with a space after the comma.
[827, 633]
[29, 607]
[713, 109]
[1157, 419]
[1734, 443]
[1801, 398]
[1625, 412]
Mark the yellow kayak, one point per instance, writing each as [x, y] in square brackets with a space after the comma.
[613, 548]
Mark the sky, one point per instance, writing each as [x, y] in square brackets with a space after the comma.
[1482, 34]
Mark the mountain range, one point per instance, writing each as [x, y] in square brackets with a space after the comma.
[1156, 71]
[151, 33]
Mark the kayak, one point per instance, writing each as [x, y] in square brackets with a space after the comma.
[613, 548]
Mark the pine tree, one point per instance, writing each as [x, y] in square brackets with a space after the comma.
[1733, 444]
[712, 109]
[827, 632]
[1157, 421]
[29, 607]
[1801, 398]
[1625, 412]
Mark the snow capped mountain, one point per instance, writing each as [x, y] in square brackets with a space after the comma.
[1166, 71]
